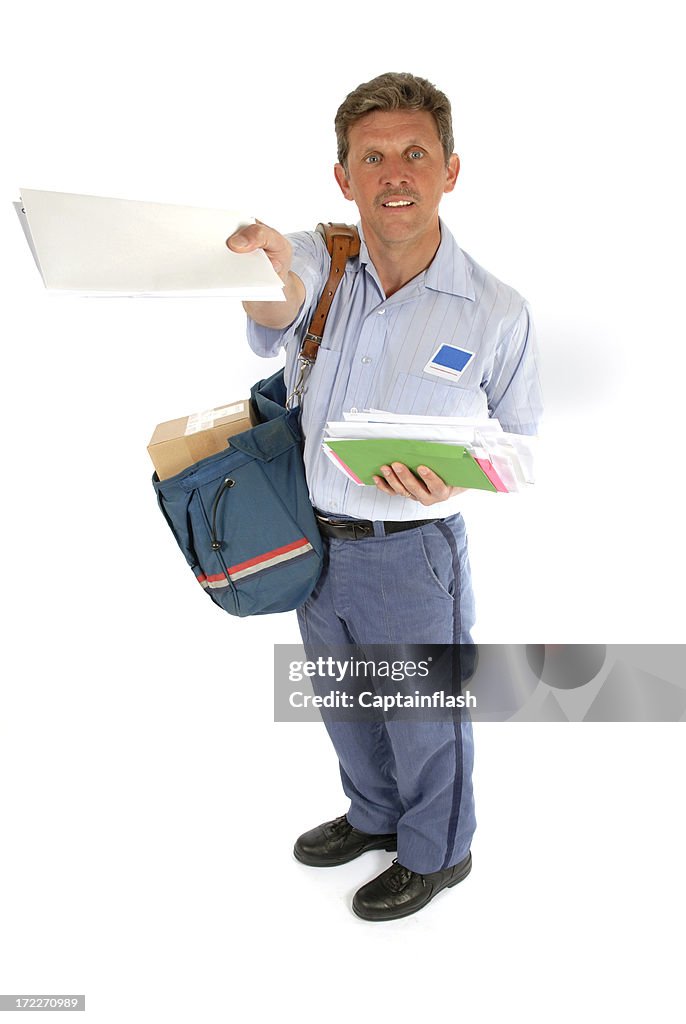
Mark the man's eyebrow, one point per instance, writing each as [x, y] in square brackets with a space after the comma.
[407, 145]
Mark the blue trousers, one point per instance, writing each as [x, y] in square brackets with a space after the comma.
[409, 777]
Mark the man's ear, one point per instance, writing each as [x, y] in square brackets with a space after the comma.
[342, 179]
[452, 171]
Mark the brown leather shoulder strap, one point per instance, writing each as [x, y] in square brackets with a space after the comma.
[343, 242]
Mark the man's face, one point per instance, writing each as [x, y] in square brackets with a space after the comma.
[397, 174]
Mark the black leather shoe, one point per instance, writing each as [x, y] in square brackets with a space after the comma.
[337, 842]
[398, 892]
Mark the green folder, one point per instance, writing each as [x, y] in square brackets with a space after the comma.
[454, 464]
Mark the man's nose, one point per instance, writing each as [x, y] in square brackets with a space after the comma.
[395, 171]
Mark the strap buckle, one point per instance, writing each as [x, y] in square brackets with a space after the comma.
[299, 389]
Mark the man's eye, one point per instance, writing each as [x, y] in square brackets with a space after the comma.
[373, 158]
[416, 154]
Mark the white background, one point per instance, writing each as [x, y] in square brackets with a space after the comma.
[148, 803]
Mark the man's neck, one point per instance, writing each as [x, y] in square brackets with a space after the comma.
[396, 263]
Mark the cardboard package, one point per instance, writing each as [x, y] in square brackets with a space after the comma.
[177, 444]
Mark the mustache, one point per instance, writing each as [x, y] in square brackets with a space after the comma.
[397, 193]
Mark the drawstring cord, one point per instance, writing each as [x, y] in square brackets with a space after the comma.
[216, 544]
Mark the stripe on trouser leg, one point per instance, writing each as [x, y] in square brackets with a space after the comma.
[457, 724]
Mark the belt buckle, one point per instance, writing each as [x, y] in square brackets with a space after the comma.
[334, 524]
[354, 528]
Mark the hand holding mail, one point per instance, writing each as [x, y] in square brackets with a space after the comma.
[428, 490]
[260, 236]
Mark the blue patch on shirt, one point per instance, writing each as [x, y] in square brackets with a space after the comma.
[448, 361]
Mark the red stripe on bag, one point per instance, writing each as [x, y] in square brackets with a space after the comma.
[303, 542]
[253, 565]
[209, 580]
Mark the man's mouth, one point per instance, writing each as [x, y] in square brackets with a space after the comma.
[393, 204]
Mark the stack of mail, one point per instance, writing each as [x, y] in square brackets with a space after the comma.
[463, 451]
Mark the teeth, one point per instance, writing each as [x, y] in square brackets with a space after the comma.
[402, 202]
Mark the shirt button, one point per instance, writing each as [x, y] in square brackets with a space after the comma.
[365, 360]
[354, 409]
[381, 312]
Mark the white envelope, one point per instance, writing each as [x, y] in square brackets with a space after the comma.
[94, 245]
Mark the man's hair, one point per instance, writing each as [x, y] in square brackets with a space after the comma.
[394, 91]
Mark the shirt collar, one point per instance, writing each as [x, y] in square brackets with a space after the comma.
[447, 272]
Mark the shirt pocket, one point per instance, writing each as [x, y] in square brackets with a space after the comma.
[321, 382]
[426, 396]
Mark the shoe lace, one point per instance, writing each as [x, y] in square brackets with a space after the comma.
[339, 825]
[398, 876]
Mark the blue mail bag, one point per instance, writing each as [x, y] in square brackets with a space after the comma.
[243, 517]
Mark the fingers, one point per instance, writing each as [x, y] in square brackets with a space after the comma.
[427, 488]
[255, 236]
[261, 236]
[392, 484]
[248, 238]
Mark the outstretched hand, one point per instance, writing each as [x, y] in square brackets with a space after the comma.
[279, 252]
[277, 248]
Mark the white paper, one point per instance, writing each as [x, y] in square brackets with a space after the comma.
[409, 431]
[93, 245]
[381, 416]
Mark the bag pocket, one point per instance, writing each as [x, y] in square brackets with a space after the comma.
[254, 555]
[244, 522]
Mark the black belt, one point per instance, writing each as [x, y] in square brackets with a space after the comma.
[357, 529]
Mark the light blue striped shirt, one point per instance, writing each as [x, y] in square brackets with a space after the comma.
[376, 350]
